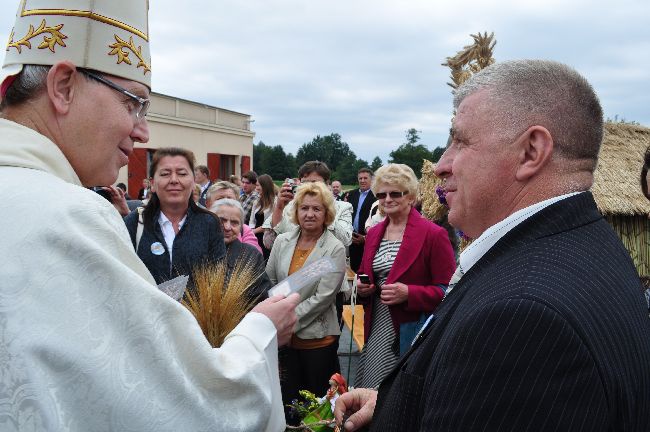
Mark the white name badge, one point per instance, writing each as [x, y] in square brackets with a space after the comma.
[157, 248]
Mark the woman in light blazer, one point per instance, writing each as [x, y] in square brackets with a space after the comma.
[311, 358]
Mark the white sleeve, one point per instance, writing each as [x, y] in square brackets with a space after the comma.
[109, 351]
[342, 225]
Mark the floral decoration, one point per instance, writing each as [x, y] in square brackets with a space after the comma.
[119, 49]
[50, 42]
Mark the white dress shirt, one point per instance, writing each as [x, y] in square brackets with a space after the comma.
[490, 236]
[168, 232]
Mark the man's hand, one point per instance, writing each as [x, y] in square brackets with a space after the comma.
[285, 195]
[281, 311]
[118, 199]
[358, 239]
[360, 403]
[395, 293]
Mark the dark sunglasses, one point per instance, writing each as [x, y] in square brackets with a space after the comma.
[393, 194]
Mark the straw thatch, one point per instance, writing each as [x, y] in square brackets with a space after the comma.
[431, 207]
[616, 188]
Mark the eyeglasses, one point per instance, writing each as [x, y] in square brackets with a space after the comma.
[139, 111]
[393, 194]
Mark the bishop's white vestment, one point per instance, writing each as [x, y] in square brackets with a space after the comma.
[87, 341]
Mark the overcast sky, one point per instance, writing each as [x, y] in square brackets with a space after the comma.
[370, 70]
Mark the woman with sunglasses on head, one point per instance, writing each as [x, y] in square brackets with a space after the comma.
[408, 261]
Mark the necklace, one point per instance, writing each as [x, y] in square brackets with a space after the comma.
[393, 247]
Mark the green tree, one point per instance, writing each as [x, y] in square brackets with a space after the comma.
[436, 154]
[410, 153]
[348, 169]
[329, 149]
[259, 152]
[412, 136]
[273, 161]
[277, 164]
[376, 164]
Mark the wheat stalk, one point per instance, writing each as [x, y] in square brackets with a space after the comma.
[219, 300]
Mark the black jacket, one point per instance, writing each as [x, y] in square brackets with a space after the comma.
[239, 253]
[204, 195]
[353, 198]
[356, 251]
[547, 331]
[200, 240]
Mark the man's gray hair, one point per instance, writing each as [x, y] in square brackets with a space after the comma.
[28, 84]
[524, 93]
[228, 202]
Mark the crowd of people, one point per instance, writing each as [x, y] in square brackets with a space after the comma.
[540, 324]
[409, 259]
[404, 262]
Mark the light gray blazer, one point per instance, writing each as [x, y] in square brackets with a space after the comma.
[317, 309]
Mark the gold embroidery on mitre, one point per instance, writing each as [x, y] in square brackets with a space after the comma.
[86, 14]
[118, 49]
[48, 42]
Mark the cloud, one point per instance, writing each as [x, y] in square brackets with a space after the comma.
[370, 69]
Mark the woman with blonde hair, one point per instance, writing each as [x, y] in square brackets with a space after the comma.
[311, 357]
[408, 261]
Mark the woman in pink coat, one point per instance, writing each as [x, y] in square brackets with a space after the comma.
[409, 261]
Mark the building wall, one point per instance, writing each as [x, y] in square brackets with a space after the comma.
[203, 129]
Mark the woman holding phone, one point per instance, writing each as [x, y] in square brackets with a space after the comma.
[408, 261]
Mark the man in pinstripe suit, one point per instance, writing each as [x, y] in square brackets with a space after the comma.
[543, 328]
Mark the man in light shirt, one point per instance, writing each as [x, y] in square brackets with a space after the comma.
[544, 326]
[280, 222]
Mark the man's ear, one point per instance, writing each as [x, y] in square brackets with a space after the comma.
[535, 151]
[62, 80]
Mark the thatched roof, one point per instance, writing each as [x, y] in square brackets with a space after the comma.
[616, 188]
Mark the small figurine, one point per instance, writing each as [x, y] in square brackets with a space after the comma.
[321, 419]
[338, 386]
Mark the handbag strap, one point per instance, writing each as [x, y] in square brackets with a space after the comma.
[138, 232]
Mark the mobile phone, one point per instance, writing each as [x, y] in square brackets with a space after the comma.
[364, 278]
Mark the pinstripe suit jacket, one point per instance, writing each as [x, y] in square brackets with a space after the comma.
[546, 332]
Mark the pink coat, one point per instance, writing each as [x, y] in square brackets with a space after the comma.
[425, 259]
[248, 236]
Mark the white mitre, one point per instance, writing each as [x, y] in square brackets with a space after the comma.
[109, 36]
